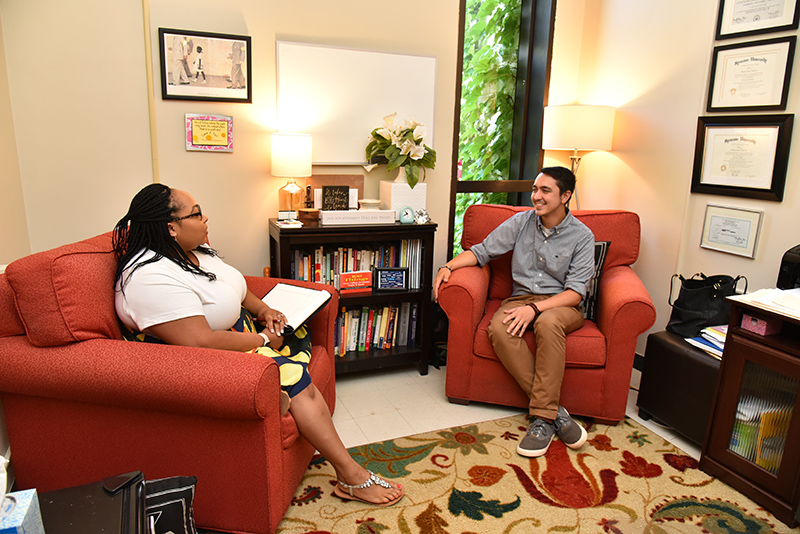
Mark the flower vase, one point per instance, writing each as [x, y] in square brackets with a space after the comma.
[397, 194]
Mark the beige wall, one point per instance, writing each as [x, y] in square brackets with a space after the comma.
[13, 226]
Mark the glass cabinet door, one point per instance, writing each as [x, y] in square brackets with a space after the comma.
[763, 413]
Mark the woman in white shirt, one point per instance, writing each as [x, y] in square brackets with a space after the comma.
[173, 288]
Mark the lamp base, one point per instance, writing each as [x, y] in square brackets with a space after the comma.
[290, 196]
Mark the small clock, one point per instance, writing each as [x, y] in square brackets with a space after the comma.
[407, 215]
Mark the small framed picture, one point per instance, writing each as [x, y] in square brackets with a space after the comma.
[391, 278]
[738, 18]
[731, 230]
[214, 67]
[751, 76]
[209, 133]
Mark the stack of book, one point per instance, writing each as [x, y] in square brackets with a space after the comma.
[711, 340]
[379, 327]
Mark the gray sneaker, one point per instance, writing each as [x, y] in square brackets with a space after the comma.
[571, 433]
[537, 439]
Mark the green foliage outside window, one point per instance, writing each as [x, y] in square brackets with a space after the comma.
[491, 41]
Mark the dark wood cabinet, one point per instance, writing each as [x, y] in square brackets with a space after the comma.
[753, 437]
[285, 241]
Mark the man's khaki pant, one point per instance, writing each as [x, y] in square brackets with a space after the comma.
[540, 377]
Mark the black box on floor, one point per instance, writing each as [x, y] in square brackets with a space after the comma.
[677, 386]
[114, 505]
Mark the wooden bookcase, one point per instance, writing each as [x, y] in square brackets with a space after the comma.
[284, 241]
[753, 436]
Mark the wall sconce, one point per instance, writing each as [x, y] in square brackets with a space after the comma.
[578, 128]
[290, 158]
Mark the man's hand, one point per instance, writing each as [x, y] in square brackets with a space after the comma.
[441, 277]
[518, 320]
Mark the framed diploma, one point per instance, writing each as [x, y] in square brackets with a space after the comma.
[209, 133]
[214, 67]
[742, 156]
[751, 76]
[738, 18]
[731, 230]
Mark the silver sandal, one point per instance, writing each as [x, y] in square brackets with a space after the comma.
[373, 479]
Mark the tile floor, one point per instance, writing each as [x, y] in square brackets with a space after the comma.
[388, 404]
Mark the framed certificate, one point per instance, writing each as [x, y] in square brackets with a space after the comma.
[742, 156]
[751, 76]
[738, 18]
[391, 278]
[731, 230]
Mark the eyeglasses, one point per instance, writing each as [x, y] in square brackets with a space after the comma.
[198, 214]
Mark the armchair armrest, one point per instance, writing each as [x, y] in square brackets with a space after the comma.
[624, 306]
[144, 376]
[466, 291]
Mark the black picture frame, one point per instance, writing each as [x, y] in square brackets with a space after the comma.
[723, 85]
[390, 279]
[760, 24]
[223, 60]
[732, 137]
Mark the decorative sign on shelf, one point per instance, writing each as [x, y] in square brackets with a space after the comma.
[335, 197]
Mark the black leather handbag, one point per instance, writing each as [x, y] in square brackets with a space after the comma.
[701, 302]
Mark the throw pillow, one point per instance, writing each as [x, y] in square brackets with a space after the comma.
[589, 304]
[168, 502]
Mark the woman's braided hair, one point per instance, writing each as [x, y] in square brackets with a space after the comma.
[145, 227]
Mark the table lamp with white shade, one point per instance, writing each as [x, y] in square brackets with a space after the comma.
[578, 128]
[290, 158]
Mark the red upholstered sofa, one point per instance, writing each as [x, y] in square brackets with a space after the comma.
[81, 404]
[599, 355]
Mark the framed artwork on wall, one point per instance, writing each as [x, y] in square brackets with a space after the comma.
[214, 67]
[742, 156]
[731, 230]
[751, 76]
[738, 18]
[209, 133]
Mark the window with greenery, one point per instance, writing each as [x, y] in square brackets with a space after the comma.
[503, 76]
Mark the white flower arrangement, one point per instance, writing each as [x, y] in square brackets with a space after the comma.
[401, 146]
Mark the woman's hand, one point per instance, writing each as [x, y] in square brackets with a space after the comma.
[273, 319]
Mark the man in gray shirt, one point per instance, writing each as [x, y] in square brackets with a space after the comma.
[551, 264]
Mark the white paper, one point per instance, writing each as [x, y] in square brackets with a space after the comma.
[3, 462]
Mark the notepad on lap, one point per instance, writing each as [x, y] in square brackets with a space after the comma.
[297, 304]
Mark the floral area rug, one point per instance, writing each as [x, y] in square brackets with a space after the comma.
[465, 480]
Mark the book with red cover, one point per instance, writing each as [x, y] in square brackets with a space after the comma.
[355, 281]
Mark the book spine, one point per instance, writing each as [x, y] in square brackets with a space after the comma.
[370, 327]
[376, 328]
[402, 332]
[412, 325]
[390, 330]
[353, 330]
[362, 329]
[345, 322]
[384, 322]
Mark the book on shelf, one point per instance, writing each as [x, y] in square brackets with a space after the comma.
[297, 304]
[402, 328]
[352, 329]
[370, 325]
[362, 329]
[355, 281]
[412, 324]
[289, 223]
[376, 327]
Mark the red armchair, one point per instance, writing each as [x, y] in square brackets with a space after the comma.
[599, 355]
[81, 404]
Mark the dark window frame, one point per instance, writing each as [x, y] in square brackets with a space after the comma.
[537, 23]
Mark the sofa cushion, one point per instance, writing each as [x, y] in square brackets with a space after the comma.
[589, 303]
[586, 346]
[10, 323]
[66, 294]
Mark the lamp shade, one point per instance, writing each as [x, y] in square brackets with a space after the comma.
[578, 127]
[291, 155]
